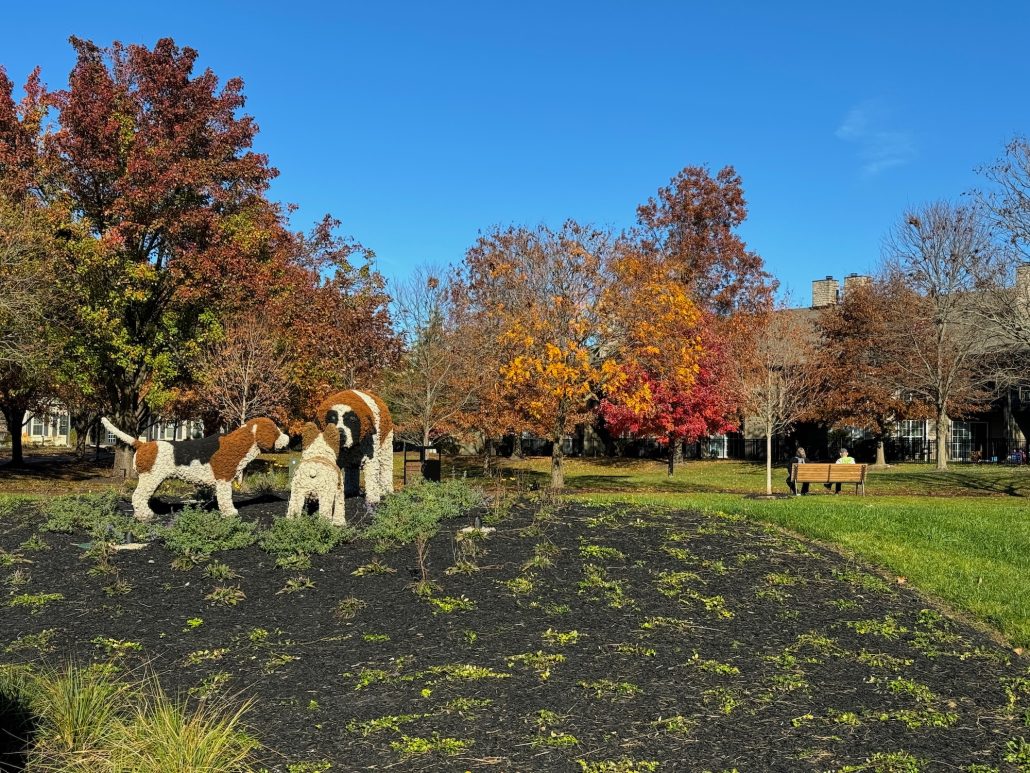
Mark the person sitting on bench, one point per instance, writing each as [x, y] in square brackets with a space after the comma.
[798, 458]
[844, 459]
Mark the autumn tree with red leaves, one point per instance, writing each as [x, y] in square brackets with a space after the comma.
[674, 382]
[692, 228]
[670, 416]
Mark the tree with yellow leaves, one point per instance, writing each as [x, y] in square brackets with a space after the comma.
[541, 289]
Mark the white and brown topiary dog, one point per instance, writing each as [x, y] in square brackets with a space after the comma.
[211, 461]
[317, 476]
[366, 439]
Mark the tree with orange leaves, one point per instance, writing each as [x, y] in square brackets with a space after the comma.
[541, 289]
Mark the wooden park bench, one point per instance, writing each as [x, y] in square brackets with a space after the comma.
[813, 472]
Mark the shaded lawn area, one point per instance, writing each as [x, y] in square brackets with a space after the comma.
[614, 638]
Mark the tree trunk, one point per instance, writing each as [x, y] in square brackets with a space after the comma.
[942, 440]
[488, 449]
[557, 468]
[123, 468]
[881, 457]
[672, 458]
[768, 461]
[15, 418]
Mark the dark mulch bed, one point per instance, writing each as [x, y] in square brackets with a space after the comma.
[691, 641]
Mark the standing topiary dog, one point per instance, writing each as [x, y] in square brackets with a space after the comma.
[318, 476]
[211, 461]
[366, 440]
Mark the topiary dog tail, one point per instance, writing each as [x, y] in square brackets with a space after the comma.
[127, 439]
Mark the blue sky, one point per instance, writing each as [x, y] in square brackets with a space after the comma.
[419, 124]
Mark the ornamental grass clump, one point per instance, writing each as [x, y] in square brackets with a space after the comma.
[89, 719]
[413, 517]
[198, 532]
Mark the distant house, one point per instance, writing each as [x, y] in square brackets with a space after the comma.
[53, 429]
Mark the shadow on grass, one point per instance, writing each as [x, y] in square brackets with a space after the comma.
[973, 480]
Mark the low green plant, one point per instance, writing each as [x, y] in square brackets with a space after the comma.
[322, 766]
[376, 566]
[216, 570]
[611, 689]
[559, 638]
[304, 535]
[296, 584]
[348, 608]
[35, 544]
[540, 662]
[118, 587]
[544, 554]
[42, 642]
[201, 533]
[410, 746]
[35, 601]
[622, 765]
[227, 595]
[448, 604]
[413, 516]
[97, 514]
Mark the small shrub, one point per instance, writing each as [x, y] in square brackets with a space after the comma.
[166, 735]
[303, 536]
[97, 514]
[78, 710]
[413, 516]
[201, 533]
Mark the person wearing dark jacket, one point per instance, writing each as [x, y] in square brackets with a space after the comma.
[798, 458]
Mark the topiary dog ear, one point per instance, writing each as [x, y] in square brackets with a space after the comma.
[332, 438]
[309, 435]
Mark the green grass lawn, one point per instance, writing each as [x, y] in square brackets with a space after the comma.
[962, 535]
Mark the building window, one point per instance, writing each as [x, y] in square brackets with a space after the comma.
[37, 427]
[912, 429]
[63, 423]
[1024, 394]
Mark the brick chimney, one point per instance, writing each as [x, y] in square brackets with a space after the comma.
[1023, 279]
[851, 281]
[824, 292]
